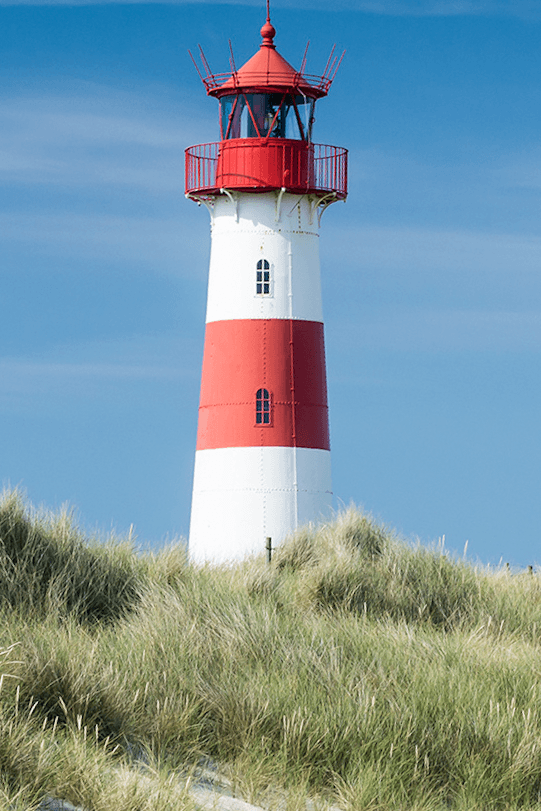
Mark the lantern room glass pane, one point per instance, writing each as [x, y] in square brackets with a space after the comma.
[226, 107]
[266, 115]
[306, 108]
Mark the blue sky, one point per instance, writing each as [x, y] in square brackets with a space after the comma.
[431, 270]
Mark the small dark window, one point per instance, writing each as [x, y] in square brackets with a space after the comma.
[262, 286]
[262, 407]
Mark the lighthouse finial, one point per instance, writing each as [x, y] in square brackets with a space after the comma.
[268, 32]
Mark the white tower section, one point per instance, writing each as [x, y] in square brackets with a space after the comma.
[278, 227]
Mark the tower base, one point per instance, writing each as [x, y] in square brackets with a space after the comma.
[235, 506]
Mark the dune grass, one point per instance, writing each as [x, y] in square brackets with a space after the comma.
[354, 667]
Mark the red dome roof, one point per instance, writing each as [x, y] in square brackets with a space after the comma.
[267, 72]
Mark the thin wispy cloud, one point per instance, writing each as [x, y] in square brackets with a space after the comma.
[389, 248]
[444, 8]
[97, 368]
[492, 180]
[409, 8]
[522, 170]
[106, 172]
[160, 244]
[24, 380]
[53, 372]
[91, 136]
[444, 330]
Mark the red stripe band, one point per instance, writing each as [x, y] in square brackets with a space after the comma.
[263, 384]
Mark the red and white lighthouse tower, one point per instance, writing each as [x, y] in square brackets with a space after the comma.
[262, 465]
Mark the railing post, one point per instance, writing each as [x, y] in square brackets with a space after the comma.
[268, 547]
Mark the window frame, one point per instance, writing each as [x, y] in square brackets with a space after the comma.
[263, 267]
[263, 397]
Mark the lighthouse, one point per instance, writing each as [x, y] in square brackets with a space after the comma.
[262, 462]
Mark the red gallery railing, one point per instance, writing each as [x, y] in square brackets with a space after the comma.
[201, 166]
[265, 164]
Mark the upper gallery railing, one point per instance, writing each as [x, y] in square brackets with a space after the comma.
[264, 164]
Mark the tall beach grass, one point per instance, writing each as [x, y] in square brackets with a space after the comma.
[354, 667]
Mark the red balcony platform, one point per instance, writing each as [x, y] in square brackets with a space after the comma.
[265, 164]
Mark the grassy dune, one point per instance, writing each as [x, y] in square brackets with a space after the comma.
[354, 667]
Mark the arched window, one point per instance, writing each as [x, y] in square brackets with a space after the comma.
[263, 283]
[262, 407]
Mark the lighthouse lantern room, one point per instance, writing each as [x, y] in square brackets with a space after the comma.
[262, 464]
